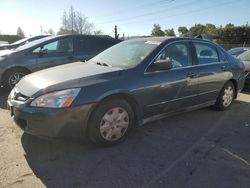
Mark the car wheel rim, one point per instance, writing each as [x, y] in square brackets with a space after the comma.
[228, 96]
[15, 78]
[114, 124]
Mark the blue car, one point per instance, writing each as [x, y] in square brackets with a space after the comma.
[49, 52]
[129, 84]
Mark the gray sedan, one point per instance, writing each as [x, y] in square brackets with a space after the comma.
[129, 84]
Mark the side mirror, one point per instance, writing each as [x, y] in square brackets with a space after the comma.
[42, 52]
[161, 65]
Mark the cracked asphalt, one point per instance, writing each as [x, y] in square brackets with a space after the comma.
[203, 148]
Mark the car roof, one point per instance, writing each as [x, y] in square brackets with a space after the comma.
[107, 37]
[166, 39]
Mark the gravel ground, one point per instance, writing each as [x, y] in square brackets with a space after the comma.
[203, 148]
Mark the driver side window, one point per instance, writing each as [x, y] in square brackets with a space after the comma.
[178, 54]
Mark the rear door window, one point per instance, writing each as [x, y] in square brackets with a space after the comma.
[206, 54]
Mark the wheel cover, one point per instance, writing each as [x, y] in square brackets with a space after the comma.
[114, 124]
[228, 96]
[15, 78]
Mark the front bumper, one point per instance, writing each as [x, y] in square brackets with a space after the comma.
[54, 123]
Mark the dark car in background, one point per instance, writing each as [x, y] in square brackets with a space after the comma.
[49, 52]
[133, 82]
[21, 42]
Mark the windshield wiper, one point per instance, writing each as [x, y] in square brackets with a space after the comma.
[103, 64]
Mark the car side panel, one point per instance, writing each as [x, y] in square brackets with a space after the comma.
[212, 78]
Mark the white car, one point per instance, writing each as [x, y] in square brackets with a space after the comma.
[242, 53]
[245, 58]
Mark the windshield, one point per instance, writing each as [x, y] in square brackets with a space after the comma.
[126, 54]
[33, 43]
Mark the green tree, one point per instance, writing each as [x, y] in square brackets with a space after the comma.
[197, 29]
[229, 25]
[183, 31]
[157, 31]
[210, 29]
[170, 32]
[20, 32]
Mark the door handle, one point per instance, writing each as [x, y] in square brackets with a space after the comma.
[191, 75]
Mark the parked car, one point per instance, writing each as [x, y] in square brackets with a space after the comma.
[245, 58]
[21, 42]
[133, 82]
[48, 52]
[237, 51]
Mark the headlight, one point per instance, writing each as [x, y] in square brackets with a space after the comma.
[58, 99]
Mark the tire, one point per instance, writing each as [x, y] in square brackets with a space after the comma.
[12, 77]
[111, 122]
[226, 97]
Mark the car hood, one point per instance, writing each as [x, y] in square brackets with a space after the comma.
[66, 76]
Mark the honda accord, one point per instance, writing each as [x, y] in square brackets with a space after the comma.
[129, 84]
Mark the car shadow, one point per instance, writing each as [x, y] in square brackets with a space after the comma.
[150, 150]
[3, 98]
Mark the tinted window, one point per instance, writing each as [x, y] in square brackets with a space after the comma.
[206, 54]
[93, 44]
[58, 46]
[178, 53]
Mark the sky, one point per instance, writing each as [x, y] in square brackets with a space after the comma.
[133, 18]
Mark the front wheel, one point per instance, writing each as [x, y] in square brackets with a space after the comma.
[111, 122]
[226, 97]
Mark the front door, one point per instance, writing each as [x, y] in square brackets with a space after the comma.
[175, 89]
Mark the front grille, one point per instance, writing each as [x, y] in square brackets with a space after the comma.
[20, 97]
[16, 95]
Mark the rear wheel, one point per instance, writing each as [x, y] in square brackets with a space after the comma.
[226, 97]
[12, 77]
[111, 122]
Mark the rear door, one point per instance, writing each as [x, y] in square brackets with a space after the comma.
[53, 53]
[213, 71]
